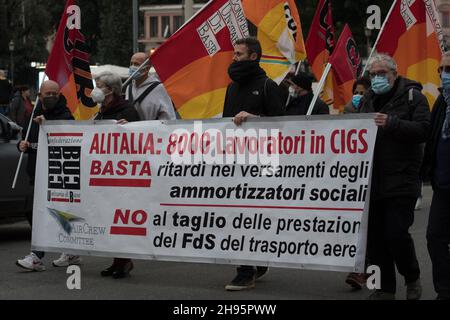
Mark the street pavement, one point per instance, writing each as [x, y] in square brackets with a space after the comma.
[154, 280]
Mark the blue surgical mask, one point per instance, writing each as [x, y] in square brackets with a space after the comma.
[132, 70]
[445, 80]
[380, 85]
[356, 100]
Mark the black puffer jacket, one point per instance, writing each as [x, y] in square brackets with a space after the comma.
[399, 146]
[118, 110]
[437, 122]
[60, 112]
[254, 93]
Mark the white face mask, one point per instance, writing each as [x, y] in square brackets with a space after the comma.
[98, 95]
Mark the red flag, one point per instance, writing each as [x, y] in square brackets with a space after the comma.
[346, 62]
[320, 42]
[412, 35]
[68, 64]
[320, 45]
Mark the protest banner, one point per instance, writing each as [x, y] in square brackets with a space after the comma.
[286, 192]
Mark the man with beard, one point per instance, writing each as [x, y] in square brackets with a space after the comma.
[251, 94]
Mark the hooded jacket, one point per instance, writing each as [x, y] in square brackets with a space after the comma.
[399, 146]
[252, 91]
[60, 112]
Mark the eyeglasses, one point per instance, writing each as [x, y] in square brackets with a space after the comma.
[444, 68]
[380, 73]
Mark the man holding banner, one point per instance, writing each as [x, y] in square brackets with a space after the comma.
[250, 94]
[146, 93]
[52, 106]
[403, 118]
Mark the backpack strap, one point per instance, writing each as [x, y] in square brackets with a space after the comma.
[130, 93]
[144, 94]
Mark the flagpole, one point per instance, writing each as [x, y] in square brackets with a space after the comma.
[142, 66]
[319, 88]
[26, 139]
[379, 36]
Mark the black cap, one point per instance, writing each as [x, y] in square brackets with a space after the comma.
[303, 80]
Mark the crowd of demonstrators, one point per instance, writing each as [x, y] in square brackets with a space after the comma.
[21, 106]
[404, 122]
[5, 93]
[251, 94]
[301, 97]
[52, 106]
[402, 115]
[436, 169]
[146, 93]
[108, 93]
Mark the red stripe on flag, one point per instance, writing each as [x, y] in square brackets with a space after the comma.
[127, 231]
[128, 183]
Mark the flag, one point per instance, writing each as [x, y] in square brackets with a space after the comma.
[279, 31]
[346, 63]
[320, 45]
[412, 36]
[194, 61]
[68, 64]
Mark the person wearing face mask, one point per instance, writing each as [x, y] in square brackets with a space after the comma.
[302, 96]
[146, 93]
[251, 94]
[436, 169]
[402, 115]
[108, 93]
[52, 105]
[359, 89]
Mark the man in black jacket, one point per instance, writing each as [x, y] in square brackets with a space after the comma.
[403, 118]
[251, 94]
[303, 96]
[437, 170]
[52, 106]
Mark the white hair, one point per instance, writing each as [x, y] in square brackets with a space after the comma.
[382, 58]
[111, 80]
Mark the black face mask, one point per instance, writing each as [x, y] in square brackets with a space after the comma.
[242, 71]
[50, 102]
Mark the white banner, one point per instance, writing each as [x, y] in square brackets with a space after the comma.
[286, 192]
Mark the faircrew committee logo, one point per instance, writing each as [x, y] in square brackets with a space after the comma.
[65, 219]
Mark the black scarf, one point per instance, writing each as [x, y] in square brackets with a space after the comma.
[242, 71]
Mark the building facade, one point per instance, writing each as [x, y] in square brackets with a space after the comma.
[161, 21]
[443, 6]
